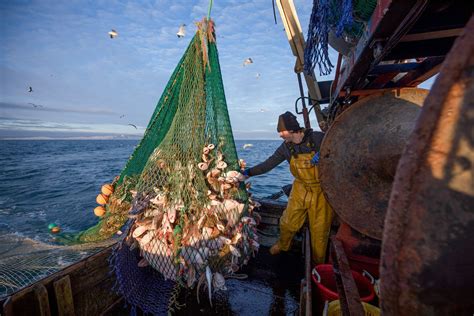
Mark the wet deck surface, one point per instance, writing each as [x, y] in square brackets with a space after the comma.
[272, 288]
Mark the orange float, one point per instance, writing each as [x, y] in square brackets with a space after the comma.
[101, 199]
[107, 189]
[99, 211]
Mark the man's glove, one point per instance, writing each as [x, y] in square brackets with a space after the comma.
[245, 172]
[315, 159]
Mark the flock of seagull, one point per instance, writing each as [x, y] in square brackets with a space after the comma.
[181, 33]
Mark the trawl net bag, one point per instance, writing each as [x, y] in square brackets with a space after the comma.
[191, 220]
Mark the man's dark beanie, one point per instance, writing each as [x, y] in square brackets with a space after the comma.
[287, 122]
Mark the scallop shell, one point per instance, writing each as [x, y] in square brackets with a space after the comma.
[221, 165]
[212, 181]
[140, 230]
[216, 203]
[220, 227]
[205, 150]
[203, 166]
[158, 200]
[233, 204]
[146, 222]
[147, 238]
[232, 180]
[211, 146]
[215, 173]
[227, 186]
[232, 174]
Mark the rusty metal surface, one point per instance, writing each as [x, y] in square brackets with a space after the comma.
[427, 254]
[346, 286]
[359, 156]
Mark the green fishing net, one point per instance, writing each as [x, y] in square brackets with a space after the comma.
[191, 199]
[182, 183]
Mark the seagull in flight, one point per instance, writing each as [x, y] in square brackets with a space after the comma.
[248, 61]
[36, 105]
[182, 31]
[113, 34]
[133, 125]
[30, 89]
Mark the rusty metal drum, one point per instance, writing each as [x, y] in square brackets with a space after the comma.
[428, 242]
[360, 152]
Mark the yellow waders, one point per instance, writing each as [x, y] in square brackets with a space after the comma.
[306, 198]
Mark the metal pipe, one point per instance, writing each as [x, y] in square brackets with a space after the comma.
[307, 124]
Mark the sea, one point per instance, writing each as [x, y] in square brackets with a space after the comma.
[57, 181]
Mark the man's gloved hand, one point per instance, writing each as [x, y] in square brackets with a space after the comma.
[245, 172]
[315, 159]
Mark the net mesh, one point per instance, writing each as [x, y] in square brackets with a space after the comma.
[191, 219]
[118, 203]
[24, 261]
[348, 18]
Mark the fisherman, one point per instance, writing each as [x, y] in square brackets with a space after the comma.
[301, 149]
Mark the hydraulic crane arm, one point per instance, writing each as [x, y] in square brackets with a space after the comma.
[297, 43]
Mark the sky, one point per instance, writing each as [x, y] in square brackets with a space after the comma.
[87, 85]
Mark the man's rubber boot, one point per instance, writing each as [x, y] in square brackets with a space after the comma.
[275, 249]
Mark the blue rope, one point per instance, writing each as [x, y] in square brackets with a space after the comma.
[326, 14]
[316, 51]
[346, 18]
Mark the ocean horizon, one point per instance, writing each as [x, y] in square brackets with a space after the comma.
[56, 181]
